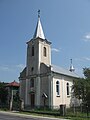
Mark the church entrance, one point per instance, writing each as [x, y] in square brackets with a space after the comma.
[32, 100]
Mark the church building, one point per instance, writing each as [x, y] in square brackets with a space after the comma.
[41, 83]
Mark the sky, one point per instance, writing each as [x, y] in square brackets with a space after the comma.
[66, 23]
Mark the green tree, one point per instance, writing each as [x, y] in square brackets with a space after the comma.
[3, 93]
[81, 87]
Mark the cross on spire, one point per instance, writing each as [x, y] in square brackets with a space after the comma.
[38, 13]
[71, 61]
[39, 30]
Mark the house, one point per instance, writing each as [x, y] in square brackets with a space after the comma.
[13, 92]
[41, 83]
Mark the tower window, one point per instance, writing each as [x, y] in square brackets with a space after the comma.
[67, 88]
[44, 51]
[32, 83]
[32, 69]
[32, 50]
[58, 88]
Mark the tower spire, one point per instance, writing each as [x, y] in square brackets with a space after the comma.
[72, 69]
[39, 31]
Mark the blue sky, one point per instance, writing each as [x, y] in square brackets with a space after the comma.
[66, 23]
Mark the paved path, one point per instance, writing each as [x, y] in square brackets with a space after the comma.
[17, 116]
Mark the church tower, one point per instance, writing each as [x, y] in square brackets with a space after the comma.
[38, 52]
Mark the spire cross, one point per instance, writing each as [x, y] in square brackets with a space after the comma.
[71, 61]
[38, 13]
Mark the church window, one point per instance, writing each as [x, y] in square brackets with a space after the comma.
[67, 88]
[32, 50]
[32, 83]
[32, 69]
[58, 88]
[44, 51]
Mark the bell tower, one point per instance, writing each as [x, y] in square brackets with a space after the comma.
[38, 50]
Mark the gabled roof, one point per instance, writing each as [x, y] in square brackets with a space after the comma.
[13, 84]
[39, 31]
[63, 71]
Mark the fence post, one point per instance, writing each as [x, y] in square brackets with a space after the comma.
[87, 110]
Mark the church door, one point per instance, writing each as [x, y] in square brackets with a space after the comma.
[32, 100]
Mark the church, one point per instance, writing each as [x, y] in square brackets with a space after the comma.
[41, 83]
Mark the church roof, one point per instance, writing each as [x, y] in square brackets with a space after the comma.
[39, 31]
[23, 73]
[63, 71]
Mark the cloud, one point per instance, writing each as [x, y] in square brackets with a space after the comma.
[87, 37]
[87, 58]
[82, 59]
[21, 66]
[4, 68]
[79, 59]
[55, 50]
[11, 68]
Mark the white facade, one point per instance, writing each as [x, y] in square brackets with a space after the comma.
[41, 83]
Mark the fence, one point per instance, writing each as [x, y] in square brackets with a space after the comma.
[81, 111]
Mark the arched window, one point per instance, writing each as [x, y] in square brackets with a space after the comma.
[57, 88]
[32, 50]
[67, 88]
[32, 83]
[44, 51]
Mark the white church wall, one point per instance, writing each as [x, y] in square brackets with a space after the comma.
[62, 98]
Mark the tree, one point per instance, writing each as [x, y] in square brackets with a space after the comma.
[86, 72]
[81, 87]
[3, 93]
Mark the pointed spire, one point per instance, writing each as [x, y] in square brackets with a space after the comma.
[72, 69]
[39, 31]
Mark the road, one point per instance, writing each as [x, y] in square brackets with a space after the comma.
[16, 116]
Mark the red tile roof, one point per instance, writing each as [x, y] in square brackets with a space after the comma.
[14, 84]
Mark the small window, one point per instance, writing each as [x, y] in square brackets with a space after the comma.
[44, 51]
[32, 83]
[58, 88]
[67, 88]
[32, 50]
[32, 69]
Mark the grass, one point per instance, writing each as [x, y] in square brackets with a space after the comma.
[55, 113]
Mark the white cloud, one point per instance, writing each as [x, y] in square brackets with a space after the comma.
[79, 59]
[87, 58]
[4, 68]
[82, 59]
[87, 37]
[21, 66]
[55, 50]
[11, 68]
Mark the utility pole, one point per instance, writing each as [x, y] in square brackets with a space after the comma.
[11, 100]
